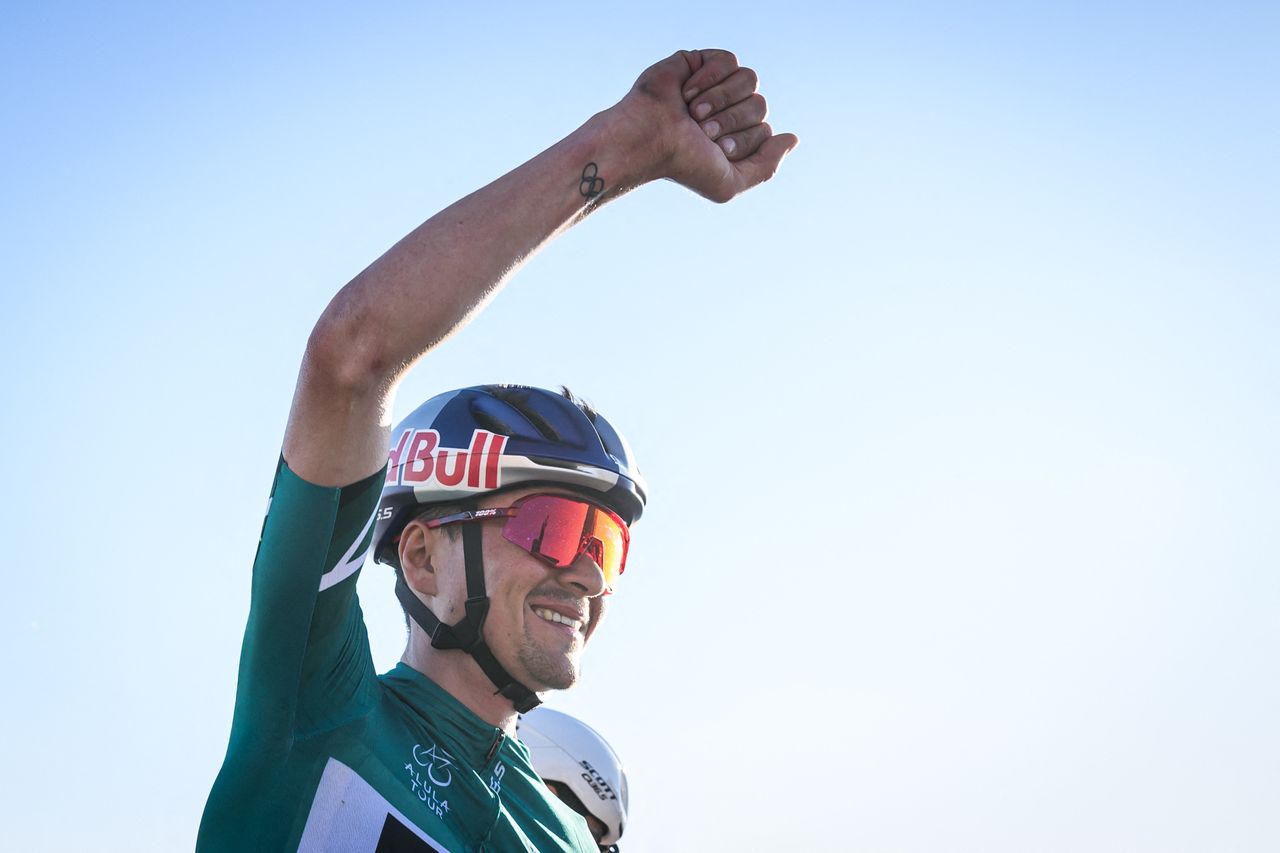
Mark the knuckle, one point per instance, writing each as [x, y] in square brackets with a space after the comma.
[737, 119]
[749, 141]
[750, 77]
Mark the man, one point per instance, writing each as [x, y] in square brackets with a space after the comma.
[504, 510]
[581, 769]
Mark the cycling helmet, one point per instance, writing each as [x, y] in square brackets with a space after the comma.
[466, 443]
[566, 750]
[461, 445]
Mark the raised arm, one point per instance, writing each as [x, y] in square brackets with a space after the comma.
[694, 118]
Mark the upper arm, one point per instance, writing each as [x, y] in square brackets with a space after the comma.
[339, 421]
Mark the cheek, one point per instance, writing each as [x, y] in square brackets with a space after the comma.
[508, 593]
[599, 606]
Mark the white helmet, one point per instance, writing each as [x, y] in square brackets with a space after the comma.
[566, 750]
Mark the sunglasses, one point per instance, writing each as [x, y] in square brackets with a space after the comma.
[559, 530]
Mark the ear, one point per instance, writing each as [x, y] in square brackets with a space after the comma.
[415, 560]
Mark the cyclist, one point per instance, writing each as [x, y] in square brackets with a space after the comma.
[581, 769]
[504, 511]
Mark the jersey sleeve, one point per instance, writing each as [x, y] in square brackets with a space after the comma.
[305, 665]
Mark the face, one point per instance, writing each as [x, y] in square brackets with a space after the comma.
[540, 617]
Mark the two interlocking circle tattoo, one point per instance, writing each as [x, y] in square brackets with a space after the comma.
[591, 184]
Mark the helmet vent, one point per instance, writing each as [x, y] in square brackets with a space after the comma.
[486, 420]
[517, 398]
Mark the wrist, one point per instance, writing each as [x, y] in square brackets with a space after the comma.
[625, 145]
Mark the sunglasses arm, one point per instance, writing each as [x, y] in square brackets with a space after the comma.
[473, 515]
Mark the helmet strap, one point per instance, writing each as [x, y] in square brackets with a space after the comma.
[466, 634]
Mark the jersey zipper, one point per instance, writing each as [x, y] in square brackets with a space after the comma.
[493, 750]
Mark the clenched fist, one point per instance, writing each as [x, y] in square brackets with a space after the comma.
[704, 123]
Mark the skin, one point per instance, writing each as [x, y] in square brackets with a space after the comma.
[539, 654]
[694, 118]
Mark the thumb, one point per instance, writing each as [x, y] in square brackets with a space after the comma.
[763, 164]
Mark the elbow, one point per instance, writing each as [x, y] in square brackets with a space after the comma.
[347, 358]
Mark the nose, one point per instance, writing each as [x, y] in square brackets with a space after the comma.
[585, 574]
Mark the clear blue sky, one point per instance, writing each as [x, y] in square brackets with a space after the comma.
[961, 433]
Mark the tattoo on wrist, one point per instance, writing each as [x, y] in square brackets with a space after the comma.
[591, 184]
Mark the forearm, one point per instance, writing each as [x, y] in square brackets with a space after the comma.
[433, 280]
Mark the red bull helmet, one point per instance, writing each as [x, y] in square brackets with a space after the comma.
[463, 444]
[466, 443]
[567, 751]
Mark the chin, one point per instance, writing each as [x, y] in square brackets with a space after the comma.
[549, 672]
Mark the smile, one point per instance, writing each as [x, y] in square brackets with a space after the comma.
[552, 616]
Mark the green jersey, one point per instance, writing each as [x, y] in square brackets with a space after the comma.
[325, 755]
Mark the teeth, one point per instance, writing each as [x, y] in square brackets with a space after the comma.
[552, 616]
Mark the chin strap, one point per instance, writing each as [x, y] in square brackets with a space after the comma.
[466, 634]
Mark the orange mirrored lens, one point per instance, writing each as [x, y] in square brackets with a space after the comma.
[611, 536]
[561, 529]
